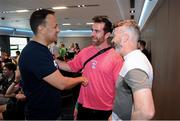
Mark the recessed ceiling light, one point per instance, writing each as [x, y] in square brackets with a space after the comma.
[132, 11]
[22, 11]
[4, 12]
[59, 7]
[89, 23]
[66, 24]
[83, 5]
[39, 9]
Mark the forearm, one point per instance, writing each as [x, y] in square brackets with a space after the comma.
[11, 89]
[72, 82]
[136, 115]
[10, 95]
[142, 115]
[57, 80]
[63, 65]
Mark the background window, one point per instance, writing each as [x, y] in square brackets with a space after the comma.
[17, 43]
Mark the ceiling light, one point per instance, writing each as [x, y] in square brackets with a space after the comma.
[146, 11]
[59, 7]
[22, 11]
[89, 23]
[39, 9]
[4, 12]
[132, 11]
[66, 24]
[69, 30]
[83, 5]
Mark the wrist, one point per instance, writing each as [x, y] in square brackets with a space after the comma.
[82, 78]
[76, 106]
[15, 82]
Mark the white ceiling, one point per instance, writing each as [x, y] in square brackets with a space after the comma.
[78, 17]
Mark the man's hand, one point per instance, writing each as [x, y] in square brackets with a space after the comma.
[20, 96]
[85, 81]
[110, 118]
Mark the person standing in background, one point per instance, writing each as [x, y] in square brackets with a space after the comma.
[54, 49]
[41, 79]
[77, 49]
[133, 100]
[17, 56]
[95, 101]
[62, 52]
[142, 46]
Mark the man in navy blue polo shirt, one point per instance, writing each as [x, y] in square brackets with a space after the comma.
[42, 80]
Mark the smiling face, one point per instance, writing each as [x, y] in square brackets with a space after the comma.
[126, 35]
[118, 39]
[98, 34]
[50, 29]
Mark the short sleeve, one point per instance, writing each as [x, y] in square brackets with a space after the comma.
[137, 79]
[42, 64]
[76, 63]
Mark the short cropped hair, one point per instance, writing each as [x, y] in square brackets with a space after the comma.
[10, 66]
[38, 18]
[103, 19]
[18, 52]
[142, 43]
[131, 25]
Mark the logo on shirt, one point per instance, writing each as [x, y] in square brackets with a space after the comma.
[93, 64]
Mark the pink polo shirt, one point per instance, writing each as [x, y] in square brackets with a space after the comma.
[102, 73]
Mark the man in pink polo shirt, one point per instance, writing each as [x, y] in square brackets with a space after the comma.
[96, 99]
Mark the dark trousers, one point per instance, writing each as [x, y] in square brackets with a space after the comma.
[90, 114]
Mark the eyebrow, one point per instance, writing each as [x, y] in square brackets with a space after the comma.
[96, 30]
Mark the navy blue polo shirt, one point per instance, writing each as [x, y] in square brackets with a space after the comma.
[43, 100]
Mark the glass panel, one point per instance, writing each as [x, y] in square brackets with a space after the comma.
[17, 43]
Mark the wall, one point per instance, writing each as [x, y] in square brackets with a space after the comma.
[163, 35]
[82, 41]
[4, 43]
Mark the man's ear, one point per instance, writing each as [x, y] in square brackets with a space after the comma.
[40, 28]
[125, 37]
[107, 35]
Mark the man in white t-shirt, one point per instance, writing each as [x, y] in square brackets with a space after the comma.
[133, 100]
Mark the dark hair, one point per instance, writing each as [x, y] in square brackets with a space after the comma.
[108, 24]
[38, 18]
[142, 42]
[18, 52]
[10, 66]
[76, 44]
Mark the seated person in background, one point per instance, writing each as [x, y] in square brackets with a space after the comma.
[1, 68]
[5, 57]
[14, 109]
[8, 76]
